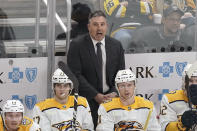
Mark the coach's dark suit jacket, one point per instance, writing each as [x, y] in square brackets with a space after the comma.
[83, 62]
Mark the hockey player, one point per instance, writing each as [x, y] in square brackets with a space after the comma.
[56, 114]
[178, 108]
[13, 119]
[127, 112]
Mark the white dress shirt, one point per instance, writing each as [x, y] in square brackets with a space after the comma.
[105, 86]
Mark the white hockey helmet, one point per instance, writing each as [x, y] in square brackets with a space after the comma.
[193, 74]
[186, 69]
[192, 71]
[60, 77]
[13, 106]
[189, 71]
[124, 76]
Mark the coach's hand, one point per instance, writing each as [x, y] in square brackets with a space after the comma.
[100, 98]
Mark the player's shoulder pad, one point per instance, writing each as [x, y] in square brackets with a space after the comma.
[113, 103]
[140, 102]
[177, 95]
[47, 103]
[82, 101]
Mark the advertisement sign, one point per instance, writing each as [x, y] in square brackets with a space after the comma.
[24, 79]
[158, 73]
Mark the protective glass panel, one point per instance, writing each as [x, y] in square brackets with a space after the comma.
[151, 26]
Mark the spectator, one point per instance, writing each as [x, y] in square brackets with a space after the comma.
[95, 59]
[80, 13]
[178, 108]
[126, 16]
[6, 31]
[183, 5]
[2, 50]
[13, 119]
[166, 37]
[127, 112]
[187, 20]
[57, 113]
[189, 35]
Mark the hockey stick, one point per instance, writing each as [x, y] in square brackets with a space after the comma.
[147, 120]
[71, 76]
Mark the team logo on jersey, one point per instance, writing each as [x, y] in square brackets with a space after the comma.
[67, 126]
[128, 125]
[31, 74]
[30, 101]
[180, 67]
[26, 122]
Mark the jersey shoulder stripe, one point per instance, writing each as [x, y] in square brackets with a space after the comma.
[52, 103]
[143, 103]
[175, 96]
[140, 103]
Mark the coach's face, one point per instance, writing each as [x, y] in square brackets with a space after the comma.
[97, 27]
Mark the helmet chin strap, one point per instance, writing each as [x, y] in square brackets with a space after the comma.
[70, 91]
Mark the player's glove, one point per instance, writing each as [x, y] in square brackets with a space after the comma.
[189, 118]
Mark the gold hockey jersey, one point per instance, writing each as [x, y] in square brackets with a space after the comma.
[173, 105]
[53, 116]
[113, 116]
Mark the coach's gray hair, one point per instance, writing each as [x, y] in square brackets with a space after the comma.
[96, 14]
